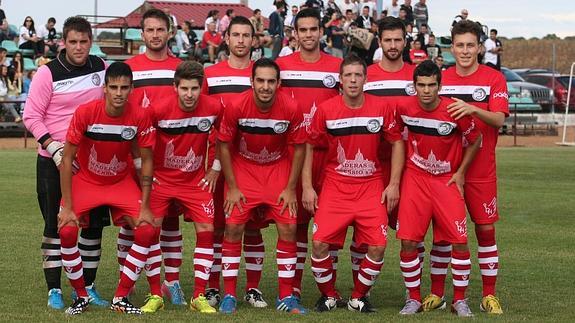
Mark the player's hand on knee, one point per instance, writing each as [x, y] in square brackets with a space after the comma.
[309, 200]
[235, 197]
[67, 216]
[289, 199]
[390, 197]
[146, 216]
[209, 181]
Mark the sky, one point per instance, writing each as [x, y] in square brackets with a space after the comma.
[512, 18]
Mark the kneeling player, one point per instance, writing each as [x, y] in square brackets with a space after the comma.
[256, 130]
[353, 191]
[432, 185]
[101, 135]
[183, 122]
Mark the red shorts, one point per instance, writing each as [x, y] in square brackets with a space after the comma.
[386, 170]
[261, 185]
[359, 205]
[481, 200]
[123, 198]
[425, 198]
[196, 205]
[220, 219]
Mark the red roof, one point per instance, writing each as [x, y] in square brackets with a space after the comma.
[198, 12]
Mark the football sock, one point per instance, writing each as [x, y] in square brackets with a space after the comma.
[368, 272]
[125, 241]
[440, 257]
[217, 265]
[322, 270]
[411, 271]
[171, 245]
[254, 252]
[231, 254]
[136, 259]
[460, 270]
[71, 259]
[154, 264]
[51, 258]
[286, 256]
[90, 246]
[488, 258]
[203, 260]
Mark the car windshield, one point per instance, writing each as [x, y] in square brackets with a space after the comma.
[564, 80]
[511, 76]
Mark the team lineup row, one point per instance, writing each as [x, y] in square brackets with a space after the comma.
[268, 125]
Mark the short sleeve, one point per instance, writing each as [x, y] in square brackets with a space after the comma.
[146, 131]
[297, 134]
[229, 124]
[317, 133]
[77, 127]
[391, 128]
[468, 129]
[499, 97]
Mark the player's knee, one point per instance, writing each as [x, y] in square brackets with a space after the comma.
[320, 249]
[286, 232]
[253, 233]
[203, 227]
[68, 234]
[484, 227]
[234, 232]
[408, 245]
[460, 247]
[376, 253]
[144, 234]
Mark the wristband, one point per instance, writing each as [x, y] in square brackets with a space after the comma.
[138, 163]
[217, 166]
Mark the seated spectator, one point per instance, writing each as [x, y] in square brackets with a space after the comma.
[423, 34]
[28, 38]
[16, 66]
[7, 34]
[257, 51]
[211, 40]
[462, 16]
[187, 40]
[432, 49]
[289, 48]
[439, 62]
[225, 21]
[213, 16]
[27, 81]
[47, 33]
[408, 42]
[8, 89]
[3, 53]
[416, 54]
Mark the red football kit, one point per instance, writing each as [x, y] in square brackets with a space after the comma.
[434, 153]
[104, 149]
[180, 156]
[258, 143]
[486, 89]
[353, 185]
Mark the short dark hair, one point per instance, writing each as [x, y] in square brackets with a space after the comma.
[427, 68]
[229, 12]
[189, 70]
[52, 20]
[77, 24]
[464, 27]
[241, 20]
[353, 59]
[155, 13]
[265, 62]
[256, 11]
[308, 13]
[391, 23]
[3, 50]
[494, 31]
[117, 70]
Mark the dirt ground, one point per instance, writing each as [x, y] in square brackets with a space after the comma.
[504, 140]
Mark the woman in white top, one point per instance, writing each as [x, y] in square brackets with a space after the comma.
[28, 38]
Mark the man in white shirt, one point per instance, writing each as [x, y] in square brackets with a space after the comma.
[492, 50]
[393, 9]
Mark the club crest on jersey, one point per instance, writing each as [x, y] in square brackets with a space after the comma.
[410, 89]
[128, 133]
[329, 81]
[445, 128]
[96, 80]
[373, 126]
[280, 127]
[479, 94]
[204, 125]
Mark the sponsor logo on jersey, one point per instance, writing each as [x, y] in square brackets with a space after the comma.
[373, 126]
[128, 133]
[329, 81]
[147, 131]
[62, 84]
[503, 95]
[479, 94]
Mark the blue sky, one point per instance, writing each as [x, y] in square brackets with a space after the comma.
[513, 18]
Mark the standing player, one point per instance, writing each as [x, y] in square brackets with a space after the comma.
[353, 191]
[183, 122]
[153, 80]
[432, 185]
[480, 92]
[225, 81]
[74, 76]
[310, 77]
[254, 136]
[100, 137]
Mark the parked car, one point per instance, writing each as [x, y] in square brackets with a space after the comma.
[559, 90]
[523, 72]
[524, 95]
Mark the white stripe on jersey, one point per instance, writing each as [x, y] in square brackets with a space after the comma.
[229, 80]
[110, 129]
[463, 89]
[260, 123]
[80, 83]
[153, 74]
[307, 75]
[386, 84]
[426, 123]
[186, 122]
[351, 122]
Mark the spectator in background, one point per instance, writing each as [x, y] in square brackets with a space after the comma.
[289, 48]
[408, 11]
[27, 81]
[213, 16]
[408, 42]
[7, 86]
[493, 50]
[350, 5]
[335, 36]
[16, 66]
[372, 8]
[47, 33]
[420, 13]
[7, 34]
[3, 20]
[290, 17]
[276, 30]
[462, 16]
[365, 20]
[225, 21]
[439, 62]
[393, 9]
[432, 49]
[211, 41]
[423, 34]
[257, 51]
[333, 6]
[416, 54]
[347, 19]
[3, 60]
[403, 15]
[28, 38]
[258, 23]
[187, 40]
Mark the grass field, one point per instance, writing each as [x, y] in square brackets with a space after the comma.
[537, 267]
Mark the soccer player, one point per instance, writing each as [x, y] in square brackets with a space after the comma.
[254, 136]
[74, 76]
[310, 76]
[225, 81]
[432, 185]
[100, 138]
[153, 80]
[183, 121]
[480, 92]
[353, 191]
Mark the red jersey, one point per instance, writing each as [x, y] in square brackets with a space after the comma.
[215, 38]
[152, 79]
[353, 137]
[182, 138]
[258, 137]
[225, 82]
[104, 142]
[486, 89]
[434, 138]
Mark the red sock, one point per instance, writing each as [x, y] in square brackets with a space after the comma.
[124, 243]
[254, 252]
[368, 272]
[301, 244]
[203, 260]
[286, 257]
[231, 254]
[136, 260]
[460, 270]
[357, 253]
[440, 257]
[411, 271]
[421, 253]
[171, 244]
[71, 259]
[488, 258]
[154, 265]
[334, 254]
[217, 265]
[322, 270]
